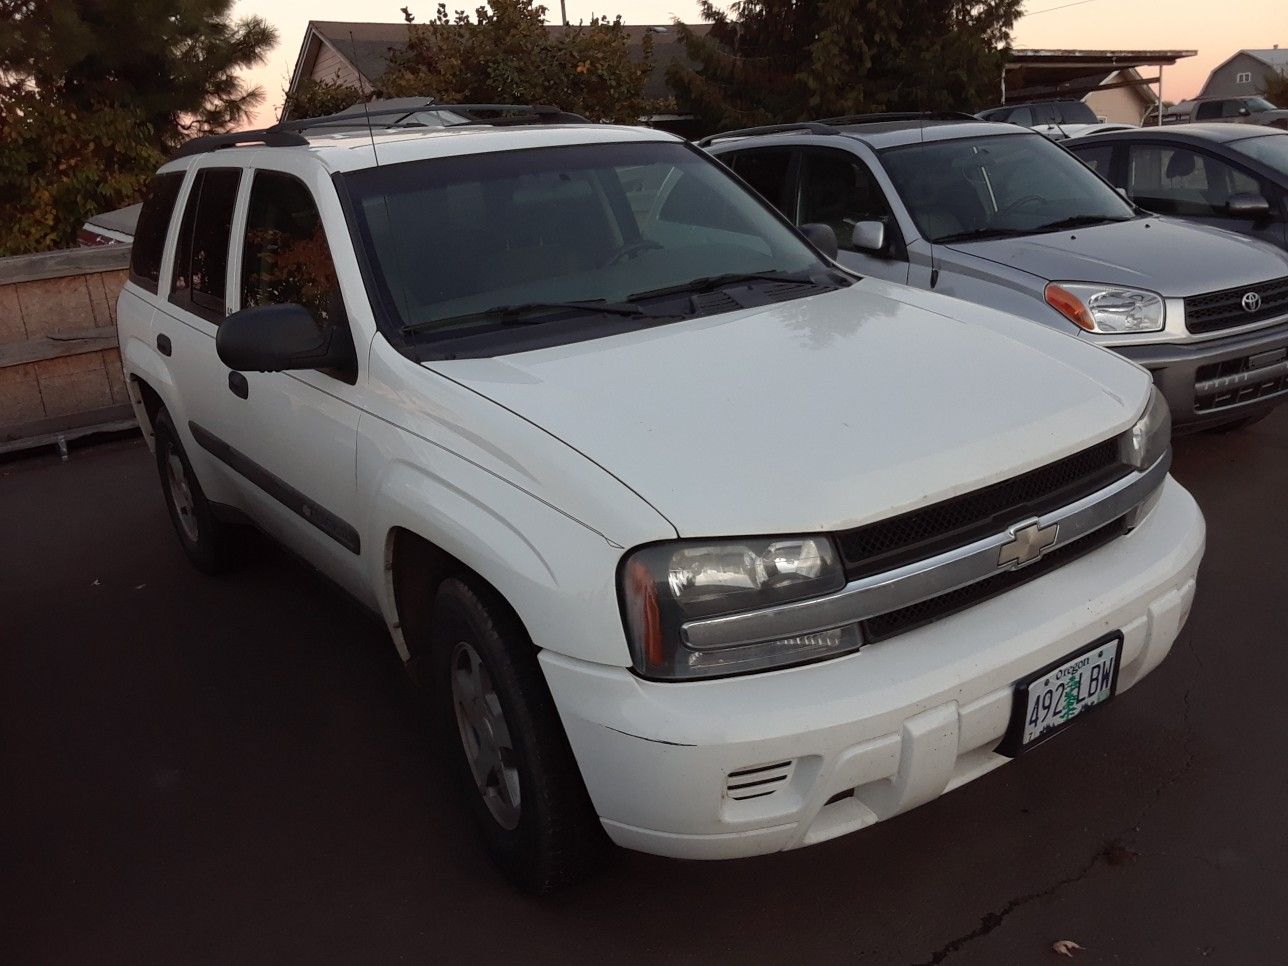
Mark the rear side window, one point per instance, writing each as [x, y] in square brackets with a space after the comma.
[285, 257]
[1208, 110]
[1076, 112]
[149, 234]
[766, 171]
[201, 255]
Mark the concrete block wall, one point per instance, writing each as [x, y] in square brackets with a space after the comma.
[59, 364]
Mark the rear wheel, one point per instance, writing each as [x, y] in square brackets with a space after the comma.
[515, 768]
[207, 542]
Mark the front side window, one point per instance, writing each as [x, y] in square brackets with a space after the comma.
[479, 247]
[1173, 180]
[201, 256]
[998, 186]
[1099, 159]
[151, 230]
[838, 190]
[285, 256]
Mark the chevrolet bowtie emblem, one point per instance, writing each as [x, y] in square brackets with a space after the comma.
[1028, 542]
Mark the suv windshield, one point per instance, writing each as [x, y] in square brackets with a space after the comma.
[998, 185]
[491, 241]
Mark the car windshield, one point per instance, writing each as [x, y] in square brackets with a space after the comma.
[491, 240]
[1271, 149]
[998, 185]
[1256, 105]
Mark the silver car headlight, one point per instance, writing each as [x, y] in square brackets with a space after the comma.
[1110, 309]
[1147, 442]
[663, 586]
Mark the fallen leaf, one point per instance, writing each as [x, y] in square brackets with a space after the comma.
[1064, 947]
[139, 586]
[95, 583]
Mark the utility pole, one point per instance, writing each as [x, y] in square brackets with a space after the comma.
[563, 11]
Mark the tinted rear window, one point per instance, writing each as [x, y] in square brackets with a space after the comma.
[201, 255]
[149, 234]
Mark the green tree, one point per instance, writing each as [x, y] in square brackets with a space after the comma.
[786, 60]
[505, 53]
[177, 63]
[59, 166]
[315, 98]
[1275, 88]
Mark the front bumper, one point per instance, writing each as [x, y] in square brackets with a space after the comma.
[749, 765]
[1219, 393]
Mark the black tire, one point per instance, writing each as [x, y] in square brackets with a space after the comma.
[557, 839]
[208, 543]
[1244, 423]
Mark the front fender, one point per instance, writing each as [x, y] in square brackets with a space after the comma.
[557, 573]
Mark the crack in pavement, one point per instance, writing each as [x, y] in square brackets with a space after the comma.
[993, 920]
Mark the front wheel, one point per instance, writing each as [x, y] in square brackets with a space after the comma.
[515, 768]
[207, 542]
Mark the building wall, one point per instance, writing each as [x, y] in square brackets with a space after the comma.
[331, 68]
[1121, 105]
[1224, 81]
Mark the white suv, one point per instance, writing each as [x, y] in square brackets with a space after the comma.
[694, 538]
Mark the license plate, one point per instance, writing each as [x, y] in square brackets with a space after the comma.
[1052, 698]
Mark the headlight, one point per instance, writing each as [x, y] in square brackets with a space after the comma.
[665, 585]
[1145, 443]
[1107, 308]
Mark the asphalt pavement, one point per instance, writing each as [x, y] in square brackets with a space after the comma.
[236, 771]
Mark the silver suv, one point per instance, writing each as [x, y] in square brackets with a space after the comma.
[998, 215]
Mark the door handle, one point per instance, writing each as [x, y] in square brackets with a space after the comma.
[163, 344]
[238, 384]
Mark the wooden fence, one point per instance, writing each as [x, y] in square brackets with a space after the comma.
[60, 371]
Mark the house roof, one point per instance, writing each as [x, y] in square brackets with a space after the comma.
[367, 47]
[1274, 57]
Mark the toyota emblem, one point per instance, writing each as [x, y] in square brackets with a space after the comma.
[1251, 302]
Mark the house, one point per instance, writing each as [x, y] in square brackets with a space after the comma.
[357, 54]
[1122, 97]
[1245, 73]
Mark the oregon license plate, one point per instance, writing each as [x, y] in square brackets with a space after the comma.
[1051, 699]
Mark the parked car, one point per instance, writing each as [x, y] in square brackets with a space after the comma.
[996, 215]
[1236, 110]
[1231, 176]
[696, 539]
[1056, 119]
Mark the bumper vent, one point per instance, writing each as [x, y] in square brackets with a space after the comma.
[757, 782]
[1235, 381]
[1225, 309]
[945, 526]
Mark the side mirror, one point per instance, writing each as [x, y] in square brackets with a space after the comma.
[1244, 112]
[275, 338]
[822, 237]
[869, 236]
[1247, 204]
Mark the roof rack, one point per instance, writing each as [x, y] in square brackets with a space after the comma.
[887, 116]
[287, 133]
[813, 127]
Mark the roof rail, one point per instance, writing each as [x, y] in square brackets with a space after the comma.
[287, 133]
[813, 127]
[883, 116]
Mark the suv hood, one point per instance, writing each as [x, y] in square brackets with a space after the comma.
[818, 414]
[1173, 258]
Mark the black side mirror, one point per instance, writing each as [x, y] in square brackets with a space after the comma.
[275, 338]
[822, 237]
[1247, 204]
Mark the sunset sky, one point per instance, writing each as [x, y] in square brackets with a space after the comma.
[1214, 30]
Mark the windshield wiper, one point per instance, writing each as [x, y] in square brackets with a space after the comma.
[522, 313]
[706, 283]
[979, 234]
[1078, 221]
